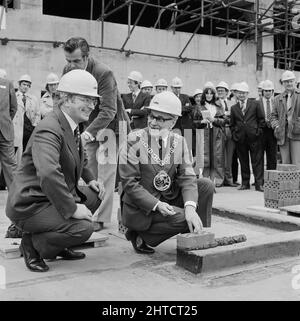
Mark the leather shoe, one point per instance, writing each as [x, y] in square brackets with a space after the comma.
[229, 184]
[98, 226]
[139, 248]
[68, 254]
[32, 259]
[259, 188]
[243, 187]
[219, 185]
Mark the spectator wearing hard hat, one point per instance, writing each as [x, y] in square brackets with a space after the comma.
[285, 120]
[162, 196]
[269, 142]
[49, 98]
[136, 101]
[259, 90]
[45, 200]
[246, 123]
[185, 121]
[146, 87]
[211, 118]
[161, 85]
[28, 115]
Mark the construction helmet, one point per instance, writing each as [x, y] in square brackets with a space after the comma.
[161, 82]
[233, 86]
[136, 76]
[52, 79]
[260, 85]
[25, 78]
[166, 102]
[198, 92]
[79, 82]
[3, 73]
[288, 75]
[243, 86]
[223, 84]
[267, 85]
[146, 84]
[210, 85]
[176, 82]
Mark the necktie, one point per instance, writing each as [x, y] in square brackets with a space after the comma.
[243, 107]
[160, 142]
[133, 97]
[268, 109]
[226, 106]
[77, 137]
[289, 101]
[24, 100]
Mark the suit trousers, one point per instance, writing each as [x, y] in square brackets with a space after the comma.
[107, 173]
[229, 151]
[256, 154]
[164, 227]
[7, 159]
[269, 144]
[51, 232]
[290, 152]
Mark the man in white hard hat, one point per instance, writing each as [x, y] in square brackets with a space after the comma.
[285, 120]
[28, 115]
[269, 142]
[136, 101]
[108, 116]
[49, 98]
[259, 89]
[146, 87]
[162, 196]
[185, 120]
[45, 200]
[222, 91]
[246, 123]
[161, 85]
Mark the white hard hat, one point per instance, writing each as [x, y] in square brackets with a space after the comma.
[233, 86]
[260, 85]
[161, 82]
[79, 82]
[146, 83]
[166, 102]
[3, 73]
[136, 76]
[223, 84]
[25, 78]
[267, 85]
[243, 86]
[176, 82]
[52, 79]
[198, 92]
[210, 85]
[288, 75]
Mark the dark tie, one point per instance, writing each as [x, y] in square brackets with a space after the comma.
[226, 107]
[24, 100]
[268, 109]
[160, 142]
[133, 97]
[243, 107]
[77, 137]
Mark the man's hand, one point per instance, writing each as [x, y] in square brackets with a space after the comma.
[82, 213]
[165, 209]
[128, 110]
[205, 121]
[193, 219]
[98, 187]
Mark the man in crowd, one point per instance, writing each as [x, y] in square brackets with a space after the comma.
[161, 85]
[246, 123]
[162, 196]
[109, 115]
[45, 200]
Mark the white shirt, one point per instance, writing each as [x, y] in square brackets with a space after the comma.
[71, 122]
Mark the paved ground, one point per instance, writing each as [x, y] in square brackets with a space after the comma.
[116, 272]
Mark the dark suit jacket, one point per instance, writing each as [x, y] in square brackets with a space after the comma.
[111, 110]
[247, 127]
[185, 121]
[8, 108]
[137, 115]
[137, 172]
[49, 172]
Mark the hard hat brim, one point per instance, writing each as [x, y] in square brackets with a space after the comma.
[153, 107]
[78, 93]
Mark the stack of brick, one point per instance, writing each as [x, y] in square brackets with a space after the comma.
[282, 186]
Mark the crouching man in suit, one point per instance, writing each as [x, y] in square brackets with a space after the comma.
[45, 200]
[161, 194]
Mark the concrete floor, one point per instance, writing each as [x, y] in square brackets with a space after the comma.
[116, 272]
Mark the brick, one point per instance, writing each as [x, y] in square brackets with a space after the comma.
[274, 175]
[287, 167]
[190, 241]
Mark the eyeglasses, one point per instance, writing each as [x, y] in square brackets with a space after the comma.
[88, 100]
[159, 118]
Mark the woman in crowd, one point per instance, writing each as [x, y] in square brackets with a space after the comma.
[48, 99]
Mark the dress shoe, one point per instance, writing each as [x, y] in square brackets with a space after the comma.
[32, 259]
[229, 184]
[243, 187]
[219, 185]
[68, 254]
[259, 188]
[142, 248]
[98, 226]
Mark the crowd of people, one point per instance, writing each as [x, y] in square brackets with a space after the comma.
[178, 149]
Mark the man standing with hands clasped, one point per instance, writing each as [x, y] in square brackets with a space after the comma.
[45, 200]
[162, 196]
